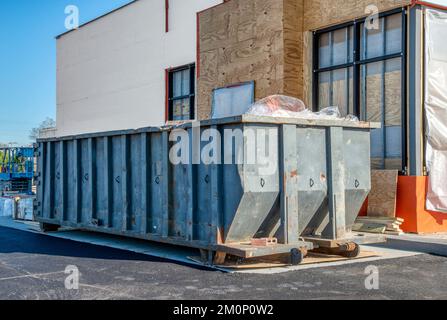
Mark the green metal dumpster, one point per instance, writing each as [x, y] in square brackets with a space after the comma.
[213, 185]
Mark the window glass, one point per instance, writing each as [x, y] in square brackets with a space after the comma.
[335, 89]
[393, 34]
[385, 40]
[177, 84]
[341, 46]
[181, 109]
[181, 99]
[336, 47]
[325, 51]
[381, 102]
[185, 82]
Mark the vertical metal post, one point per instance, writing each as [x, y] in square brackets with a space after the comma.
[165, 184]
[108, 181]
[415, 92]
[125, 182]
[78, 181]
[52, 179]
[189, 223]
[63, 180]
[336, 183]
[288, 185]
[216, 212]
[41, 163]
[92, 178]
[145, 182]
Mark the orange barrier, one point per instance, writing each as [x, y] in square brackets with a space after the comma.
[411, 193]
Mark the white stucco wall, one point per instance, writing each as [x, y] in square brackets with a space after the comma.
[111, 72]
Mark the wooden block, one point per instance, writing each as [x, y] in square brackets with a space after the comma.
[264, 242]
[394, 233]
[369, 227]
[219, 258]
[382, 219]
[382, 198]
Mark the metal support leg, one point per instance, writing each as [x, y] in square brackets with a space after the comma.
[336, 184]
[289, 186]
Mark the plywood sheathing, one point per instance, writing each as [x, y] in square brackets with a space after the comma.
[383, 196]
[293, 48]
[323, 13]
[241, 40]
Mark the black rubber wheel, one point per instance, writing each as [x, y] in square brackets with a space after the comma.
[296, 257]
[352, 250]
[47, 227]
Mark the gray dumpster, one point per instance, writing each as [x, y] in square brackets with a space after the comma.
[215, 193]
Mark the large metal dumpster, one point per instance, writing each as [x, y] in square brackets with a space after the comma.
[235, 179]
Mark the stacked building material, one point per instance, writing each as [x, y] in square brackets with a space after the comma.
[7, 206]
[379, 225]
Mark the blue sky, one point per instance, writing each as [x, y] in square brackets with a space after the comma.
[28, 60]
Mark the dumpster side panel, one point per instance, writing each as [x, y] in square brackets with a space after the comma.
[157, 206]
[260, 182]
[312, 179]
[357, 173]
[182, 191]
[136, 183]
[232, 184]
[100, 186]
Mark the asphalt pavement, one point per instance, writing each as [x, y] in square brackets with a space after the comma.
[32, 266]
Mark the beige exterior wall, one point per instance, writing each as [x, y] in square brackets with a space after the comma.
[111, 72]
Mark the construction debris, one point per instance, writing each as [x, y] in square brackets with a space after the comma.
[380, 225]
[264, 242]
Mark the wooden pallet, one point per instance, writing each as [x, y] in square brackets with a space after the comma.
[280, 261]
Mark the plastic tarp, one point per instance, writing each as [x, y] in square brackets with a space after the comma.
[436, 108]
[281, 106]
[25, 208]
[7, 207]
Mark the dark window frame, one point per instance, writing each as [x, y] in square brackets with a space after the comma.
[192, 90]
[358, 62]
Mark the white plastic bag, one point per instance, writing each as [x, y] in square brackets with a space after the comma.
[289, 107]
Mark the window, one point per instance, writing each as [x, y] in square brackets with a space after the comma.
[181, 89]
[362, 71]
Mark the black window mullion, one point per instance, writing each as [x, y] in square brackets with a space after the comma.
[192, 90]
[331, 62]
[384, 24]
[359, 72]
[347, 72]
[316, 63]
[356, 71]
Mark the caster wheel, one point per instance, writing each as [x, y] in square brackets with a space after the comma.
[297, 256]
[350, 250]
